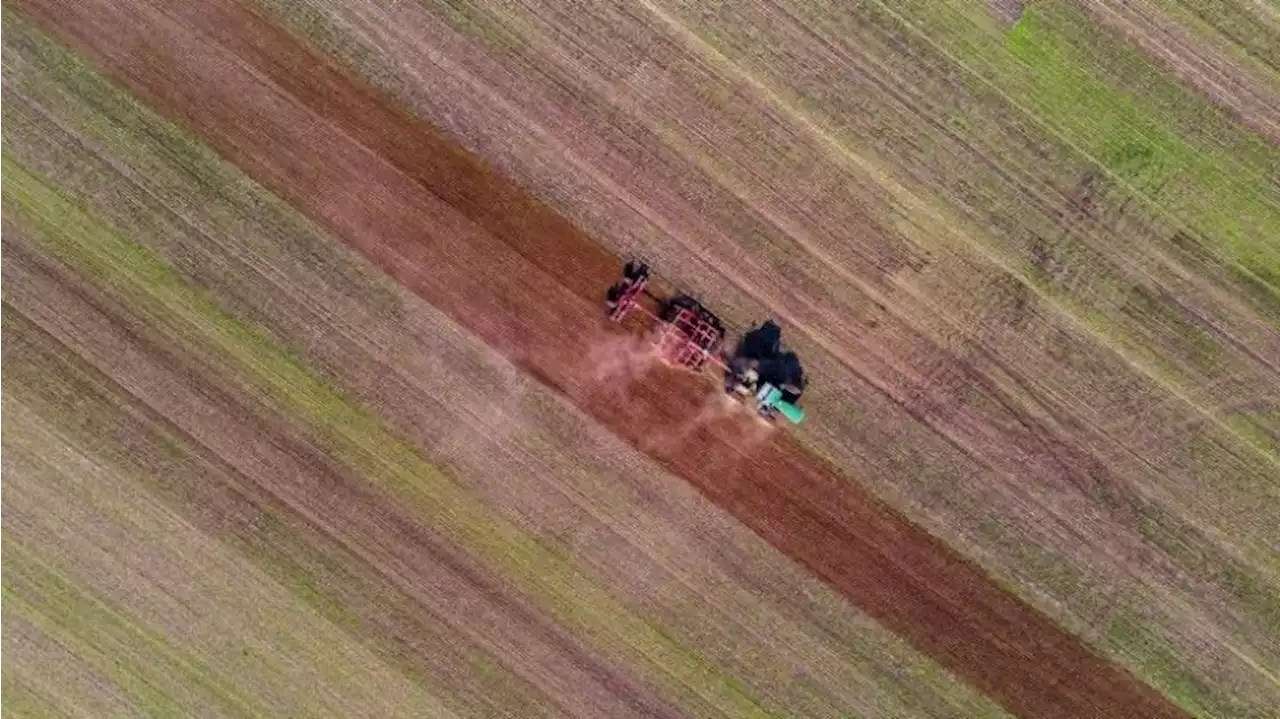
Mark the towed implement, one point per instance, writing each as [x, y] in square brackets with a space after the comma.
[758, 371]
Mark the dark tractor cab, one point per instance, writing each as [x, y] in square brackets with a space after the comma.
[759, 362]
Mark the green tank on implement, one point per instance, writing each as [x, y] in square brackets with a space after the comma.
[759, 372]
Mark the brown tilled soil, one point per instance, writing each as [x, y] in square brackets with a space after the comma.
[646, 534]
[527, 283]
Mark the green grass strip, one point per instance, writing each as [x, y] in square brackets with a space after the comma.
[1109, 101]
[1213, 192]
[1128, 635]
[140, 662]
[354, 435]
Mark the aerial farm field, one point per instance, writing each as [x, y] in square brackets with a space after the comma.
[312, 407]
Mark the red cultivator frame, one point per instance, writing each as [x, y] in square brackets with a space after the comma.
[689, 339]
[689, 335]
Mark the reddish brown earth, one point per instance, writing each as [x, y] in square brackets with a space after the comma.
[445, 226]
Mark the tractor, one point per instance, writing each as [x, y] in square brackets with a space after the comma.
[758, 371]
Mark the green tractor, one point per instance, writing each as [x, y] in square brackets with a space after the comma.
[759, 372]
[760, 369]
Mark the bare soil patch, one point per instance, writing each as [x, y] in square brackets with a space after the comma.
[1007, 10]
[1054, 474]
[646, 534]
[909, 581]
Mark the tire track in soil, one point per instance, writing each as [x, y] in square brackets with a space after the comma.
[444, 226]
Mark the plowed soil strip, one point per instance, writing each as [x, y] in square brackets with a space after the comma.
[526, 282]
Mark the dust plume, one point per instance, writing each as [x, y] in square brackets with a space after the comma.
[619, 361]
[713, 407]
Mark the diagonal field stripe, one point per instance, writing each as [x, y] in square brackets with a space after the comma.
[907, 580]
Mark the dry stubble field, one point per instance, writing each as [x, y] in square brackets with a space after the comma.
[287, 437]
